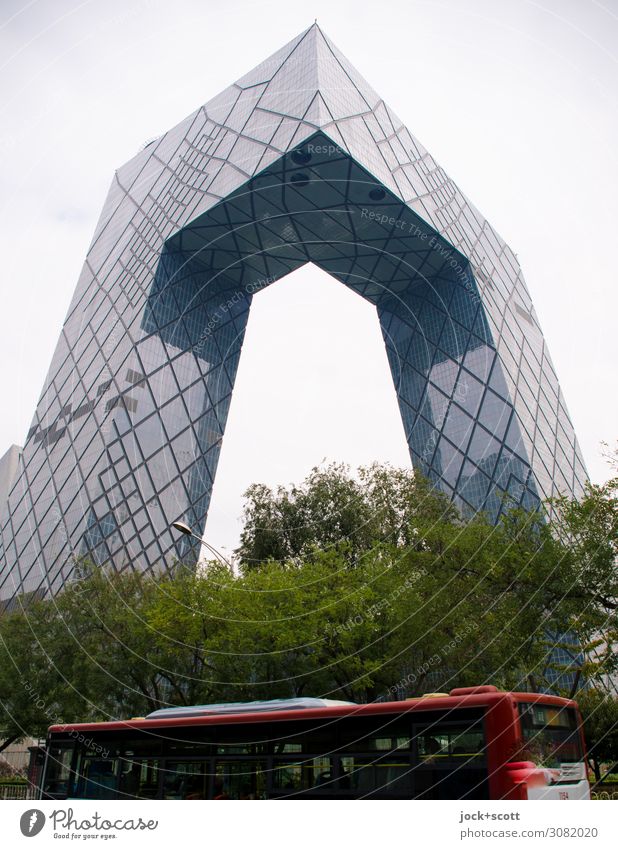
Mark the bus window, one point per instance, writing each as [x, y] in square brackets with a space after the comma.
[303, 737]
[550, 735]
[58, 770]
[187, 742]
[284, 747]
[139, 779]
[443, 743]
[365, 776]
[377, 734]
[291, 777]
[288, 777]
[185, 780]
[239, 780]
[450, 761]
[95, 776]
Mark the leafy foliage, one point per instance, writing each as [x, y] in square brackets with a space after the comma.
[600, 715]
[331, 506]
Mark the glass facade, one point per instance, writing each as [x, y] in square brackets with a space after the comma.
[299, 161]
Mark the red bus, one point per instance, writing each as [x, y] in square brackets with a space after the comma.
[472, 743]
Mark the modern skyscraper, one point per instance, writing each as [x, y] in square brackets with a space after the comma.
[299, 161]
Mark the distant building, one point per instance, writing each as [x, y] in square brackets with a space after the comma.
[9, 465]
[298, 161]
[14, 760]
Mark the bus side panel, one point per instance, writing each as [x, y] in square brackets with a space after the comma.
[502, 740]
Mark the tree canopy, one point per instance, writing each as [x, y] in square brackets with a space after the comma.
[331, 506]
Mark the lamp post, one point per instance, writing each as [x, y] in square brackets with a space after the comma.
[185, 529]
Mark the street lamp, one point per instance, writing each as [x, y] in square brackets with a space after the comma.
[185, 529]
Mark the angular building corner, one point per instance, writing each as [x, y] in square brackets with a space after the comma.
[299, 161]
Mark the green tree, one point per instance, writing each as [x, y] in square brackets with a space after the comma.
[600, 716]
[332, 506]
[36, 686]
[111, 645]
[588, 530]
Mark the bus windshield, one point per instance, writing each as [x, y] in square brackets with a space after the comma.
[550, 734]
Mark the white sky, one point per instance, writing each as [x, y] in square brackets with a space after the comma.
[515, 99]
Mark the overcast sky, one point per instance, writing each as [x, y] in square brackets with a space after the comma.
[515, 99]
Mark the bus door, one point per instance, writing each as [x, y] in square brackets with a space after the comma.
[57, 773]
[96, 775]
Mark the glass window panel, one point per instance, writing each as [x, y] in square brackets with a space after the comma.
[58, 769]
[390, 776]
[139, 778]
[236, 779]
[303, 776]
[306, 738]
[445, 742]
[550, 734]
[378, 734]
[186, 780]
[96, 776]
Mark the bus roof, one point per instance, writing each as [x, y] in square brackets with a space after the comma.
[241, 712]
[244, 707]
